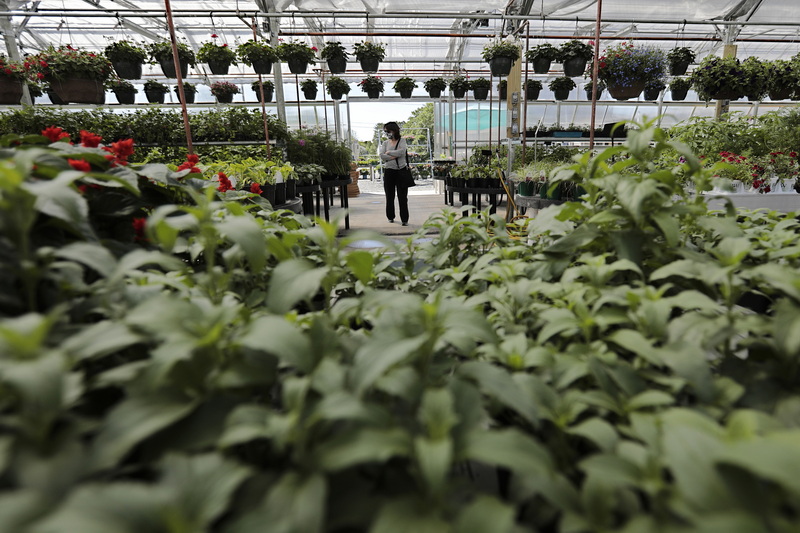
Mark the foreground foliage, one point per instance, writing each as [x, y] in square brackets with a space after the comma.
[220, 365]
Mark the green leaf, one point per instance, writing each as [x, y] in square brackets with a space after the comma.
[669, 226]
[134, 420]
[485, 514]
[498, 384]
[408, 515]
[91, 255]
[509, 448]
[362, 264]
[57, 199]
[292, 282]
[775, 457]
[434, 458]
[598, 431]
[278, 336]
[612, 469]
[100, 339]
[247, 233]
[650, 398]
[363, 446]
[787, 329]
[437, 414]
[373, 359]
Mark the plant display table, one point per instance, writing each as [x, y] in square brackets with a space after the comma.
[307, 194]
[328, 187]
[494, 194]
[776, 201]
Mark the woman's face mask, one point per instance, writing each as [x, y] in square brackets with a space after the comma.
[388, 134]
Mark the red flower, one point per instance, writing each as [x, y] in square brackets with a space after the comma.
[80, 164]
[122, 149]
[314, 48]
[224, 183]
[255, 188]
[83, 188]
[89, 139]
[193, 159]
[225, 45]
[213, 35]
[139, 224]
[55, 134]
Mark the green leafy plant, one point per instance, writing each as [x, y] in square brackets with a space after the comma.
[479, 83]
[561, 83]
[337, 85]
[533, 84]
[253, 50]
[435, 84]
[211, 51]
[369, 50]
[122, 85]
[715, 74]
[224, 88]
[68, 62]
[405, 84]
[125, 50]
[308, 85]
[680, 84]
[542, 51]
[782, 73]
[187, 88]
[14, 70]
[297, 51]
[575, 49]
[757, 73]
[501, 48]
[458, 82]
[625, 64]
[268, 85]
[371, 83]
[333, 50]
[162, 51]
[154, 86]
[680, 54]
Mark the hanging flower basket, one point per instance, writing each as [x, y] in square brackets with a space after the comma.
[162, 52]
[626, 92]
[336, 56]
[369, 55]
[127, 58]
[125, 96]
[79, 91]
[10, 91]
[128, 70]
[501, 56]
[218, 68]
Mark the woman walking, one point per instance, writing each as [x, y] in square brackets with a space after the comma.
[394, 154]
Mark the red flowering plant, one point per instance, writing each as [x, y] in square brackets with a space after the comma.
[736, 167]
[211, 51]
[13, 70]
[224, 88]
[68, 62]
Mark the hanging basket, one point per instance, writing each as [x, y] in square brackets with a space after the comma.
[458, 92]
[435, 93]
[625, 92]
[268, 93]
[297, 66]
[501, 66]
[561, 94]
[370, 64]
[781, 94]
[726, 94]
[10, 91]
[261, 66]
[79, 91]
[225, 98]
[310, 94]
[480, 93]
[125, 96]
[336, 95]
[531, 93]
[373, 94]
[54, 98]
[189, 96]
[503, 93]
[651, 94]
[406, 93]
[678, 68]
[575, 66]
[154, 97]
[541, 65]
[219, 68]
[127, 70]
[337, 65]
[168, 68]
[678, 94]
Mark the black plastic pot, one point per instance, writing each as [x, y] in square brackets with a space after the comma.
[651, 94]
[370, 64]
[262, 67]
[337, 65]
[225, 98]
[154, 97]
[373, 94]
[268, 93]
[406, 93]
[561, 94]
[310, 94]
[219, 68]
[336, 95]
[480, 93]
[541, 65]
[125, 96]
[678, 94]
[458, 92]
[501, 66]
[168, 68]
[574, 67]
[189, 95]
[435, 93]
[127, 70]
[297, 66]
[532, 93]
[678, 68]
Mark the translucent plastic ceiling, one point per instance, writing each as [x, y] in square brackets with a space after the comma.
[420, 35]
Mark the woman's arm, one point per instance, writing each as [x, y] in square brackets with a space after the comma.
[399, 151]
[383, 153]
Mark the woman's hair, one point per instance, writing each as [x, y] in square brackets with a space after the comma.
[393, 127]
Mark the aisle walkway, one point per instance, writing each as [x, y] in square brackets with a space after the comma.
[367, 210]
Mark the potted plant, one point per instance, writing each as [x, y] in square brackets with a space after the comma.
[501, 56]
[77, 76]
[574, 54]
[269, 89]
[336, 55]
[626, 69]
[218, 57]
[161, 52]
[561, 86]
[12, 76]
[405, 86]
[189, 91]
[590, 85]
[459, 86]
[435, 86]
[719, 78]
[757, 73]
[782, 79]
[652, 89]
[679, 59]
[52, 95]
[502, 89]
[337, 87]
[127, 59]
[124, 91]
[298, 56]
[309, 88]
[369, 55]
[480, 88]
[155, 91]
[679, 88]
[541, 56]
[223, 91]
[372, 85]
[258, 55]
[532, 89]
